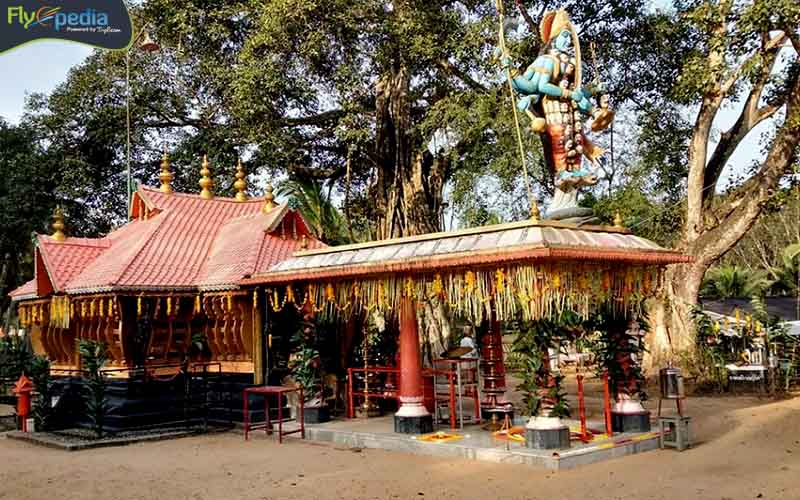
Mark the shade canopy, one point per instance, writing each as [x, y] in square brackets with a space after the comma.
[523, 269]
[484, 246]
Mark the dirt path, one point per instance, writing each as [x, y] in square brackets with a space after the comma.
[749, 449]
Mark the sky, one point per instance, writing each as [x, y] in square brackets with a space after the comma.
[34, 67]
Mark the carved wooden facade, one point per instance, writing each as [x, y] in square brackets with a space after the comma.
[227, 325]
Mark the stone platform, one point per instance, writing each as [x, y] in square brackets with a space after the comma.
[478, 444]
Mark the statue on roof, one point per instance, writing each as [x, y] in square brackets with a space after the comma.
[551, 93]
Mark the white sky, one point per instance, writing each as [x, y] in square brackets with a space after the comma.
[35, 67]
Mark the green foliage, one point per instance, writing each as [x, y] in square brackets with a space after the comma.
[15, 357]
[93, 358]
[42, 404]
[291, 85]
[618, 350]
[541, 388]
[30, 180]
[712, 352]
[324, 219]
[730, 281]
[787, 272]
[647, 218]
[305, 363]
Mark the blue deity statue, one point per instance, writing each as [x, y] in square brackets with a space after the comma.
[551, 93]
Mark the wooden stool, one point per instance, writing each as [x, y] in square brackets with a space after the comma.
[674, 432]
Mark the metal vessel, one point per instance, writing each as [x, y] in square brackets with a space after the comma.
[671, 383]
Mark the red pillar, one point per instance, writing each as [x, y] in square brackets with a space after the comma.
[411, 395]
[412, 417]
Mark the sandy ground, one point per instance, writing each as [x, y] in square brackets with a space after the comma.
[748, 448]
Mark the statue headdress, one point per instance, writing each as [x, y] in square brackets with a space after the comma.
[553, 23]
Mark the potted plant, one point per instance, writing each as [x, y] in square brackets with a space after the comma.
[543, 396]
[306, 367]
[618, 351]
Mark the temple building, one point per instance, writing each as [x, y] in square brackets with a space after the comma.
[236, 274]
[172, 272]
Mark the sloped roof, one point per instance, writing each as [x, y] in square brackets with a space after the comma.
[176, 242]
[25, 291]
[785, 308]
[66, 259]
[249, 244]
[513, 242]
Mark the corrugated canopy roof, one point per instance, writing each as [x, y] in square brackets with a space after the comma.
[504, 243]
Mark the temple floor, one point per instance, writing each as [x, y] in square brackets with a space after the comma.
[473, 442]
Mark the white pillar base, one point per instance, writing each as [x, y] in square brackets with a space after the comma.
[544, 423]
[412, 407]
[626, 405]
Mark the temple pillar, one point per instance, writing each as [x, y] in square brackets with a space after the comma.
[412, 417]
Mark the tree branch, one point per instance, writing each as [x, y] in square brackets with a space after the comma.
[450, 69]
[744, 206]
[527, 16]
[698, 144]
[320, 119]
[307, 172]
[750, 116]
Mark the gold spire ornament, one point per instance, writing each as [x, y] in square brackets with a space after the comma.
[206, 183]
[241, 182]
[535, 213]
[58, 225]
[166, 176]
[618, 221]
[269, 199]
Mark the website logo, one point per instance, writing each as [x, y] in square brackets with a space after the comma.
[105, 24]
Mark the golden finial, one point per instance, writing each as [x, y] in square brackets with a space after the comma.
[166, 176]
[269, 199]
[241, 183]
[206, 183]
[618, 221]
[535, 214]
[58, 225]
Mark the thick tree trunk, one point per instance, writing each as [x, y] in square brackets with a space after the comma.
[408, 186]
[713, 229]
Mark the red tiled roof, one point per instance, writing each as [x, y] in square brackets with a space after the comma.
[183, 242]
[26, 291]
[64, 260]
[252, 243]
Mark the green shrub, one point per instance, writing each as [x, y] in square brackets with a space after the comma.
[94, 356]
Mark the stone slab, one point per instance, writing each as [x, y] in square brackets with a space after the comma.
[478, 445]
[547, 439]
[48, 441]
